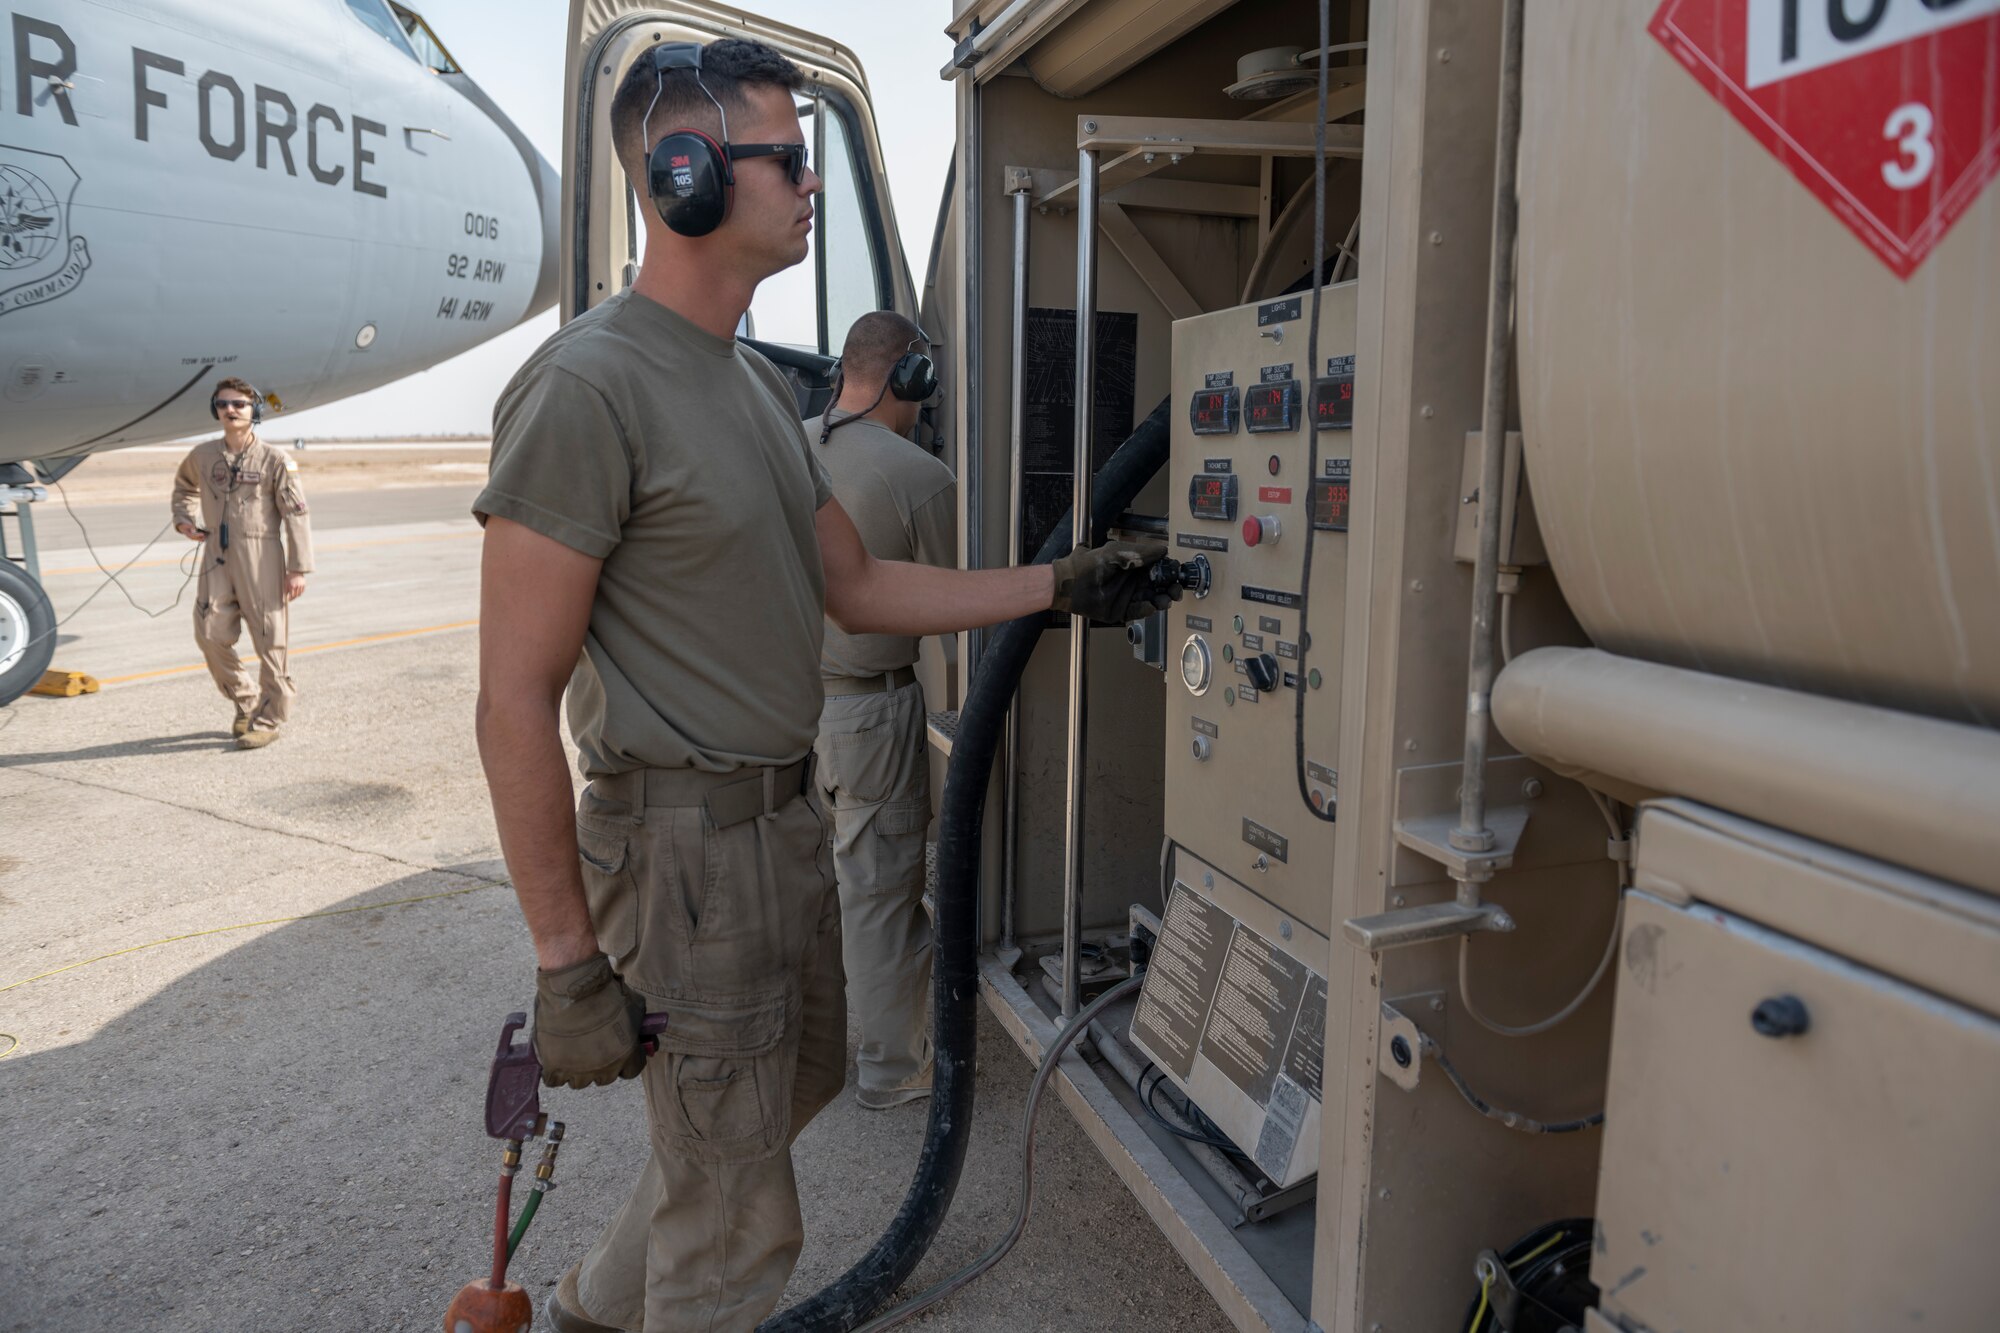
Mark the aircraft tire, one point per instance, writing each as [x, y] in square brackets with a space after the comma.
[27, 632]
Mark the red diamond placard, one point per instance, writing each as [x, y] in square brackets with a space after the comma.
[1888, 110]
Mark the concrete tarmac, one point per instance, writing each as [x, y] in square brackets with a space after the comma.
[249, 999]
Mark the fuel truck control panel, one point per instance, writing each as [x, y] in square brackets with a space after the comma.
[1245, 502]
[1234, 1003]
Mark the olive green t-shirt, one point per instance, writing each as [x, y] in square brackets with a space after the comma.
[677, 458]
[905, 506]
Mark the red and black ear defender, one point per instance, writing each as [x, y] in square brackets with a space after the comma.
[688, 175]
[256, 406]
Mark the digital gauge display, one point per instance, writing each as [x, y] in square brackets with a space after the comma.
[1329, 504]
[1213, 411]
[1335, 403]
[1272, 407]
[1213, 495]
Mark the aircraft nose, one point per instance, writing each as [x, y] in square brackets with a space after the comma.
[547, 185]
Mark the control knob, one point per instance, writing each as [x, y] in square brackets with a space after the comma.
[1262, 668]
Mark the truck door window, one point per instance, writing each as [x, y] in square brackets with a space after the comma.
[853, 279]
[853, 286]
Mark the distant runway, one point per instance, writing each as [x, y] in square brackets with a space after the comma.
[131, 524]
[389, 563]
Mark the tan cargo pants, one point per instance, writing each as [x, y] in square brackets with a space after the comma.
[732, 928]
[874, 778]
[245, 585]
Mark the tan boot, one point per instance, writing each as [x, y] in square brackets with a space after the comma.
[240, 725]
[258, 739]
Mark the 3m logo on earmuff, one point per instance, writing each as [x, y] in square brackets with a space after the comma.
[688, 176]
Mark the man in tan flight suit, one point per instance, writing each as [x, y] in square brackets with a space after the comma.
[662, 546]
[235, 495]
[872, 767]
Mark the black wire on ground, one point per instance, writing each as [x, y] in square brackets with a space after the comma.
[190, 566]
[982, 722]
[111, 575]
[998, 1250]
[1511, 1119]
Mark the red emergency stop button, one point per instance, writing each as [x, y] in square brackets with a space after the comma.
[1260, 528]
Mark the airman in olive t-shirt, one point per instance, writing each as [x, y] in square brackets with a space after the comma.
[660, 543]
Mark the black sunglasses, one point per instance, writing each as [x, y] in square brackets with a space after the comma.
[224, 404]
[793, 153]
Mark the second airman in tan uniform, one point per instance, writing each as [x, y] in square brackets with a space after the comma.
[873, 770]
[240, 498]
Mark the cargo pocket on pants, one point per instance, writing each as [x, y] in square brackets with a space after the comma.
[722, 1083]
[609, 889]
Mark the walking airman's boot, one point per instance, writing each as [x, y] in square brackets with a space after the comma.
[258, 739]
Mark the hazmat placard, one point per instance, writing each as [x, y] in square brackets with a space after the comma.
[1885, 109]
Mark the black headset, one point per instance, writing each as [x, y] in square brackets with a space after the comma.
[256, 406]
[913, 379]
[688, 174]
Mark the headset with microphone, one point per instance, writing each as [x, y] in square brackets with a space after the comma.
[690, 175]
[913, 379]
[256, 406]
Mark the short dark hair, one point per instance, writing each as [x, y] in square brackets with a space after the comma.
[728, 66]
[875, 343]
[242, 386]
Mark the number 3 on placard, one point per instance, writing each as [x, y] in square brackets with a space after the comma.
[1910, 126]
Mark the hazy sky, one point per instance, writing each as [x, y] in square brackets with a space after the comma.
[514, 49]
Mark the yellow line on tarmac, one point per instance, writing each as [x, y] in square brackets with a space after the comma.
[337, 546]
[297, 652]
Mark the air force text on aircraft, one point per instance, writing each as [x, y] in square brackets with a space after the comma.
[259, 125]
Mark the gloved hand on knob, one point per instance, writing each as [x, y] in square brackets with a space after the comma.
[587, 1025]
[1113, 582]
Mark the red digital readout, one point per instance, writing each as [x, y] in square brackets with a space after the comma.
[1334, 403]
[1213, 411]
[1212, 495]
[1329, 504]
[1272, 407]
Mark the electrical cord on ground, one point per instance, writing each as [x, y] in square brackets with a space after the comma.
[1312, 431]
[1511, 1119]
[972, 1271]
[111, 576]
[224, 930]
[1543, 1025]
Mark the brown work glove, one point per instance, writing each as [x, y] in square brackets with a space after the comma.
[587, 1025]
[1113, 582]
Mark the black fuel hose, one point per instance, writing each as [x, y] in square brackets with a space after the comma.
[982, 722]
